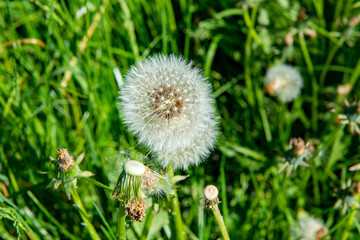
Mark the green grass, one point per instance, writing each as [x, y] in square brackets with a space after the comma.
[234, 42]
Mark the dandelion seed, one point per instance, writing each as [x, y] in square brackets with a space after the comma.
[283, 81]
[168, 104]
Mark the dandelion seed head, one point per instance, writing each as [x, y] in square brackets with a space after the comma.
[308, 228]
[283, 81]
[168, 105]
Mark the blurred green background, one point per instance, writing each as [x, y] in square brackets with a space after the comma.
[58, 89]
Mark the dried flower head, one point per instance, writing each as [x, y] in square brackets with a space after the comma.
[67, 170]
[168, 104]
[308, 228]
[350, 115]
[155, 184]
[136, 210]
[284, 81]
[298, 154]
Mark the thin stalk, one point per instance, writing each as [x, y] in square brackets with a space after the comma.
[83, 214]
[314, 85]
[175, 211]
[223, 187]
[121, 223]
[148, 221]
[220, 221]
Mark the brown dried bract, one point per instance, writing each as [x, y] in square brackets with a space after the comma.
[166, 101]
[136, 210]
[211, 203]
[65, 160]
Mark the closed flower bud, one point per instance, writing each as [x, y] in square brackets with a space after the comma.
[283, 81]
[211, 196]
[128, 190]
[129, 183]
[168, 104]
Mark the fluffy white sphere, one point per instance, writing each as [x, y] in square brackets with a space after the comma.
[168, 104]
[284, 81]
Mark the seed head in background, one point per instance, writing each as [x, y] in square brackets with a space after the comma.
[168, 105]
[283, 81]
[67, 170]
[308, 228]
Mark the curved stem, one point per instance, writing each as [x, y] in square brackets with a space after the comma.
[83, 214]
[121, 223]
[220, 222]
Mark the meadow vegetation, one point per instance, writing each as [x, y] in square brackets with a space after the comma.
[62, 64]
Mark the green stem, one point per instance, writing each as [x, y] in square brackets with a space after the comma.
[310, 67]
[148, 221]
[121, 223]
[83, 214]
[175, 211]
[220, 222]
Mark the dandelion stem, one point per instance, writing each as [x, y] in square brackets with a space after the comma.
[220, 222]
[175, 211]
[148, 221]
[121, 223]
[83, 214]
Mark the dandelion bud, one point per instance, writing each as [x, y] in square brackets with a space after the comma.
[128, 190]
[168, 105]
[129, 182]
[211, 192]
[211, 195]
[284, 81]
